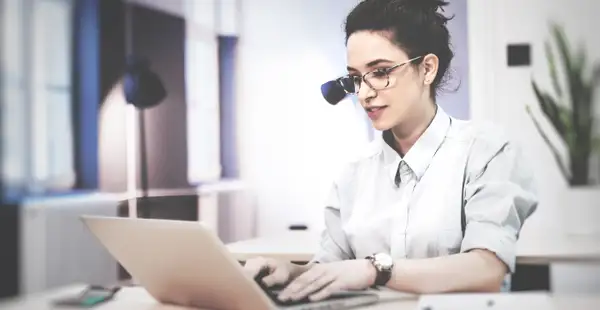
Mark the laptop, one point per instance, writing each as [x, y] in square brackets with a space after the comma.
[184, 263]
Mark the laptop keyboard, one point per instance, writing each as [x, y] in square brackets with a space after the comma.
[273, 291]
[273, 295]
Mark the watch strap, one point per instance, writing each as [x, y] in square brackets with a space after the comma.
[382, 278]
[382, 275]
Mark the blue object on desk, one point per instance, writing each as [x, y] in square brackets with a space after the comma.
[93, 295]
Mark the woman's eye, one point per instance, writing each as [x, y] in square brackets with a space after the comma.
[379, 73]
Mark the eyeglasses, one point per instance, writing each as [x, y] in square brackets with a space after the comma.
[377, 79]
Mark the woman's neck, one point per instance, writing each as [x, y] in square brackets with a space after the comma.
[407, 133]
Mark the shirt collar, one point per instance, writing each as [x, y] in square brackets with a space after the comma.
[422, 152]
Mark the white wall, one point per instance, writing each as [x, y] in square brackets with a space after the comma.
[291, 139]
[500, 93]
[455, 97]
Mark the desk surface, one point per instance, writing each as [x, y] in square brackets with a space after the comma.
[137, 298]
[301, 246]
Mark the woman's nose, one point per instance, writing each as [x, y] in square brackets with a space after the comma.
[365, 92]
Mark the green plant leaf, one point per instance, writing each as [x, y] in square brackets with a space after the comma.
[595, 77]
[579, 86]
[563, 47]
[581, 98]
[596, 143]
[573, 76]
[555, 153]
[565, 115]
[579, 60]
[552, 111]
[552, 68]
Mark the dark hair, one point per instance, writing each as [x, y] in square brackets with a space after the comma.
[416, 26]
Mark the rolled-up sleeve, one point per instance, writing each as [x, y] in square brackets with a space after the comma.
[499, 197]
[333, 245]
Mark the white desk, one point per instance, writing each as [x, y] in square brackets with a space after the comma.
[544, 250]
[137, 298]
[291, 246]
[301, 246]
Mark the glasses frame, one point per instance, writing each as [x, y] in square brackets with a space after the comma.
[387, 71]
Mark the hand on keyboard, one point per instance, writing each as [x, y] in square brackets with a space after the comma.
[273, 291]
[273, 271]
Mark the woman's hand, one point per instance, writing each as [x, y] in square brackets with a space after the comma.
[322, 280]
[280, 272]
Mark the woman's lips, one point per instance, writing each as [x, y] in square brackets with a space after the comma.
[375, 112]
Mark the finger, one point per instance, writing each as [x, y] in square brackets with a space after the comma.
[316, 285]
[254, 266]
[332, 288]
[279, 276]
[301, 282]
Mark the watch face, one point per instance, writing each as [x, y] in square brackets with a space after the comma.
[383, 261]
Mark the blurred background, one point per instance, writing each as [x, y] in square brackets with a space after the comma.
[243, 139]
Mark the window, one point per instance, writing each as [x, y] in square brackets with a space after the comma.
[13, 110]
[202, 87]
[36, 87]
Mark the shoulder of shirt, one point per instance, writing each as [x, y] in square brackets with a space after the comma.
[485, 141]
[356, 159]
[484, 134]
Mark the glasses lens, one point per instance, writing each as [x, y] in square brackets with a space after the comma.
[377, 79]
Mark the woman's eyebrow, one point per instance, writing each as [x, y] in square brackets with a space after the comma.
[372, 63]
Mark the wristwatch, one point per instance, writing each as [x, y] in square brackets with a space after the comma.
[383, 263]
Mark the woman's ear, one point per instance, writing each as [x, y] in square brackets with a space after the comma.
[430, 66]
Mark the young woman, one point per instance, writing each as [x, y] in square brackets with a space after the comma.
[436, 204]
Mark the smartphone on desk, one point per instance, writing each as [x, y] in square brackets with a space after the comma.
[91, 296]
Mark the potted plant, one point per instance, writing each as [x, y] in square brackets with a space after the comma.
[570, 110]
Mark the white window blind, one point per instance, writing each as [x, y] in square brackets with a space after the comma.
[38, 152]
[13, 110]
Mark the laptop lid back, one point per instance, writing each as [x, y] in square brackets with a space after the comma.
[178, 262]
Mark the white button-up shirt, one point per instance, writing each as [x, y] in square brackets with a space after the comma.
[457, 175]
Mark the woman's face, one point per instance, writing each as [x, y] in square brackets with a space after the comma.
[408, 86]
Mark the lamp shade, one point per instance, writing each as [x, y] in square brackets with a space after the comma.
[333, 92]
[143, 88]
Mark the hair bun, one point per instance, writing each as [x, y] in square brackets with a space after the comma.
[426, 6]
[428, 10]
